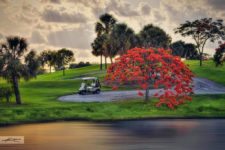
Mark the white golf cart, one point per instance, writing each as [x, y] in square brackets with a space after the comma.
[90, 85]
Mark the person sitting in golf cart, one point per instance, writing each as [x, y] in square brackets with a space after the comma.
[90, 88]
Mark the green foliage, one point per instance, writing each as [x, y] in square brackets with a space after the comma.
[107, 21]
[184, 50]
[6, 93]
[122, 38]
[219, 56]
[12, 67]
[100, 45]
[63, 57]
[33, 63]
[48, 57]
[153, 36]
[202, 30]
[79, 65]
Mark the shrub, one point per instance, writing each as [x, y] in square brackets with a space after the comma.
[219, 56]
[79, 65]
[6, 93]
[41, 70]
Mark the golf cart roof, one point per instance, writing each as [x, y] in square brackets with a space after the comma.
[90, 78]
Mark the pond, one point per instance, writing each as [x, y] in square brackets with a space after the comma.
[174, 134]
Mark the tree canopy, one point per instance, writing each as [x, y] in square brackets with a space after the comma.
[100, 46]
[202, 30]
[116, 38]
[219, 56]
[64, 57]
[153, 36]
[48, 57]
[12, 68]
[184, 50]
[153, 68]
[122, 38]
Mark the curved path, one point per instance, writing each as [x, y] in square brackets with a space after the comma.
[201, 86]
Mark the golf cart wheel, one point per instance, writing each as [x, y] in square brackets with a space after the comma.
[97, 91]
[82, 92]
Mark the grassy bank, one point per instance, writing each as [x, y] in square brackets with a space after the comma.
[201, 106]
[40, 100]
[208, 70]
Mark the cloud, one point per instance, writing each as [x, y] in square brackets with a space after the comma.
[159, 17]
[123, 9]
[184, 10]
[37, 38]
[1, 36]
[55, 1]
[92, 3]
[51, 15]
[83, 54]
[79, 38]
[51, 1]
[63, 23]
[145, 10]
[4, 2]
[216, 4]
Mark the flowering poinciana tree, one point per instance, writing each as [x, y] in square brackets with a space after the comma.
[153, 68]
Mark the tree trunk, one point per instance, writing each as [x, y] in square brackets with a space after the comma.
[63, 71]
[7, 99]
[16, 90]
[101, 62]
[50, 69]
[200, 59]
[146, 95]
[105, 62]
[111, 60]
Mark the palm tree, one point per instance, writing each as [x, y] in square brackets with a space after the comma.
[11, 67]
[64, 57]
[48, 57]
[107, 21]
[33, 63]
[122, 38]
[98, 49]
[99, 29]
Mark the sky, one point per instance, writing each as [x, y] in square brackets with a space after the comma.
[55, 24]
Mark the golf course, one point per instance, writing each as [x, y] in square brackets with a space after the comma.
[112, 75]
[40, 99]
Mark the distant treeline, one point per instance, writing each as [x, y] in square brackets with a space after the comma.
[114, 38]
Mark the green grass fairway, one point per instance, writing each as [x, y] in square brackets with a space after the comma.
[39, 97]
[208, 70]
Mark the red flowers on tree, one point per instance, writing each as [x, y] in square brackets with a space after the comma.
[153, 68]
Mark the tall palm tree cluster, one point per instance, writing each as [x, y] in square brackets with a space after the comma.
[115, 38]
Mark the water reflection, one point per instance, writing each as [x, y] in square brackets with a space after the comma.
[145, 134]
[153, 129]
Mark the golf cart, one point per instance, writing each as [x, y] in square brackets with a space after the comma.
[90, 85]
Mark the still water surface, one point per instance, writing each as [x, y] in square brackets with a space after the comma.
[192, 134]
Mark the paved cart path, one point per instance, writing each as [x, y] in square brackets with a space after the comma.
[201, 86]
